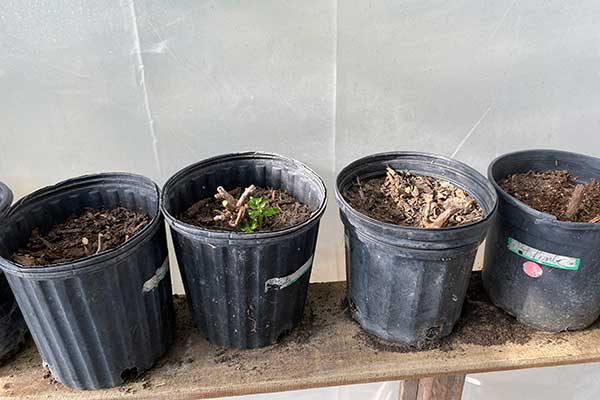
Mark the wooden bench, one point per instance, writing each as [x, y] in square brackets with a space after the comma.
[328, 349]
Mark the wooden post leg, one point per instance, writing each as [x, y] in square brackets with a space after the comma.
[433, 388]
[409, 389]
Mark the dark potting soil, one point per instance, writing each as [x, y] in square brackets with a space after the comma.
[92, 232]
[413, 200]
[229, 210]
[557, 193]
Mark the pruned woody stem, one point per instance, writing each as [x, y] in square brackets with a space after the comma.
[576, 200]
[235, 210]
[395, 187]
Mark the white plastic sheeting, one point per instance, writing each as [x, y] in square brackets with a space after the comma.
[465, 78]
[371, 391]
[71, 100]
[574, 382]
[151, 86]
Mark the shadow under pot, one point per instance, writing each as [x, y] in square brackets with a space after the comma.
[407, 284]
[245, 289]
[542, 270]
[12, 325]
[106, 317]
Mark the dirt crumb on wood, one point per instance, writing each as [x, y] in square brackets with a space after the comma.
[484, 324]
[229, 210]
[326, 340]
[92, 232]
[403, 198]
[47, 376]
[481, 323]
[557, 193]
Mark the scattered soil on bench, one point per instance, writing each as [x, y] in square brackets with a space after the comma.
[484, 324]
[558, 193]
[92, 232]
[481, 323]
[326, 337]
[212, 213]
[413, 200]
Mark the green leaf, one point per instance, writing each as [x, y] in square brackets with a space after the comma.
[246, 228]
[258, 210]
[269, 212]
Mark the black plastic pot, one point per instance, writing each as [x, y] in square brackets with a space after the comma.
[12, 325]
[543, 271]
[106, 317]
[405, 284]
[245, 289]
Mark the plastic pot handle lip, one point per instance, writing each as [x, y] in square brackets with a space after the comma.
[540, 216]
[93, 261]
[6, 198]
[346, 207]
[196, 231]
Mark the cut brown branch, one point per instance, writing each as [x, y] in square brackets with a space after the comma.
[86, 249]
[99, 249]
[240, 216]
[443, 218]
[228, 200]
[235, 209]
[575, 202]
[244, 197]
[361, 193]
[426, 209]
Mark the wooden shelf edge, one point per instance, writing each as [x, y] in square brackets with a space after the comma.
[328, 349]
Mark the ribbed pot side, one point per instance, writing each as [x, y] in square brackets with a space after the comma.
[12, 325]
[543, 271]
[105, 318]
[405, 284]
[245, 289]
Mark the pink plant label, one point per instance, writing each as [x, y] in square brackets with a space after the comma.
[532, 269]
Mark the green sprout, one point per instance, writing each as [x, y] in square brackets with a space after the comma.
[258, 210]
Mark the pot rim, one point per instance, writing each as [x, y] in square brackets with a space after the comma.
[5, 201]
[401, 228]
[198, 231]
[93, 261]
[539, 215]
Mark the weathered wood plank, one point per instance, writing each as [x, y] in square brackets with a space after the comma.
[441, 388]
[329, 349]
[409, 389]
